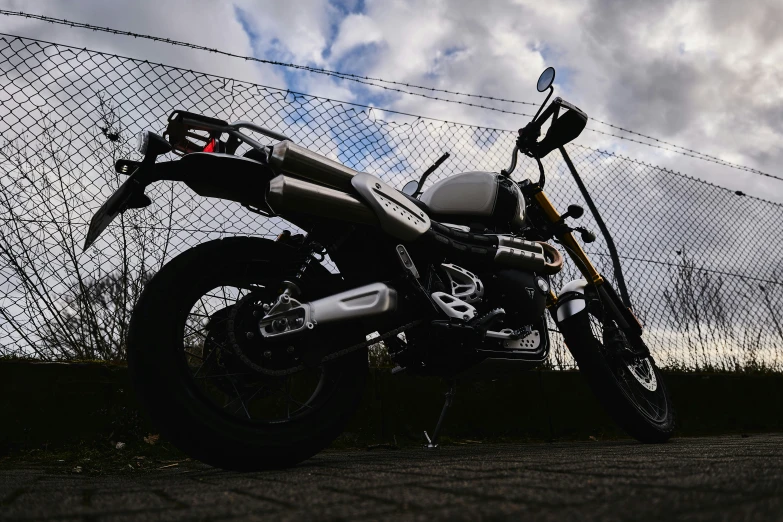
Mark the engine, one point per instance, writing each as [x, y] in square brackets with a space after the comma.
[521, 294]
[498, 314]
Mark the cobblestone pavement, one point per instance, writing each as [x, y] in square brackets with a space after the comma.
[725, 478]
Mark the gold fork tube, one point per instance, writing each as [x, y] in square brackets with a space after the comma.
[575, 250]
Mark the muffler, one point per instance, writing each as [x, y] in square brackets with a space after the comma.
[302, 163]
[361, 302]
[288, 316]
[288, 194]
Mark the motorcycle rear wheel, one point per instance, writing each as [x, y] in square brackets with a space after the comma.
[630, 388]
[169, 369]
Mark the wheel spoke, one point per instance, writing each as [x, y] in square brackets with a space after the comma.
[300, 404]
[224, 377]
[225, 299]
[193, 331]
[239, 396]
[209, 355]
[647, 401]
[219, 297]
[199, 357]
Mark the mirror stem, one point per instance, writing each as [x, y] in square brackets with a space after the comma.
[551, 90]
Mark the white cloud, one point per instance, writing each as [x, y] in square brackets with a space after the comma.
[704, 75]
[355, 30]
[295, 31]
[204, 22]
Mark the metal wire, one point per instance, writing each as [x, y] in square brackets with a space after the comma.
[375, 82]
[702, 272]
[318, 70]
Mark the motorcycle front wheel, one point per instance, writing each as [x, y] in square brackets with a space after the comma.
[194, 354]
[630, 387]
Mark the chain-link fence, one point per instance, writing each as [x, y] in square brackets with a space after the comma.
[703, 272]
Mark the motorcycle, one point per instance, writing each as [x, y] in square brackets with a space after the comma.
[250, 353]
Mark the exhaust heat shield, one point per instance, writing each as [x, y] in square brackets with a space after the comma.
[288, 194]
[302, 163]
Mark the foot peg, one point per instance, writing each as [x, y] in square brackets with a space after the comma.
[453, 307]
[432, 443]
[484, 322]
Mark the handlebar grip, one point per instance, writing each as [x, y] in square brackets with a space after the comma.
[563, 130]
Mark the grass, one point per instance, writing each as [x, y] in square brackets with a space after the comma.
[97, 458]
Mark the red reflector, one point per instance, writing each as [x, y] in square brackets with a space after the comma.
[210, 147]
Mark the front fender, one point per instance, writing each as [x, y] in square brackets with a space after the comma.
[572, 302]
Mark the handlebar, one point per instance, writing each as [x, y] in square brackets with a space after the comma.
[561, 131]
[507, 172]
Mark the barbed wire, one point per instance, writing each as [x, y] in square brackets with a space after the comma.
[60, 169]
[369, 81]
[701, 155]
[717, 161]
[420, 117]
[366, 80]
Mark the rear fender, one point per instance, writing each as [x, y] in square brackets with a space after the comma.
[214, 175]
[208, 174]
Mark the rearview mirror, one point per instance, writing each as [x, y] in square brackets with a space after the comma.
[410, 188]
[546, 79]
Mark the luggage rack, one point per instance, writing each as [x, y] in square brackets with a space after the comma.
[183, 128]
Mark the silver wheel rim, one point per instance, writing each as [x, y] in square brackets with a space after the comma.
[644, 379]
[243, 390]
[643, 372]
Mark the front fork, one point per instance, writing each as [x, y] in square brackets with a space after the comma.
[574, 249]
[623, 315]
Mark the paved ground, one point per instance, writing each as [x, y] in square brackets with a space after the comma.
[727, 478]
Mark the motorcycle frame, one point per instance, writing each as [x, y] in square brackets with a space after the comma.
[618, 306]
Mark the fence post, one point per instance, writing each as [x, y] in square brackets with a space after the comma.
[618, 270]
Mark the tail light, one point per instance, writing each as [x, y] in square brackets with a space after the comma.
[211, 146]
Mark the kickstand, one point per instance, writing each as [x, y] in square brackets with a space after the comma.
[433, 443]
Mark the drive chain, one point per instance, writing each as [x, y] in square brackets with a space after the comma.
[334, 355]
[364, 344]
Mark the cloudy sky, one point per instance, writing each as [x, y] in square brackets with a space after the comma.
[705, 75]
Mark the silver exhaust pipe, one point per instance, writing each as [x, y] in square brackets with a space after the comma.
[289, 316]
[302, 163]
[364, 301]
[288, 194]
